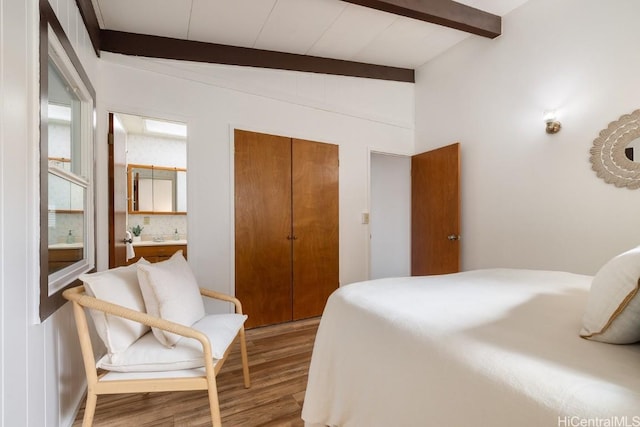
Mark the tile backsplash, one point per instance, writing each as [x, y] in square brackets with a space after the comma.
[160, 226]
[63, 224]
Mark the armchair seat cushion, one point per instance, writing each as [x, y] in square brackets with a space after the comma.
[148, 354]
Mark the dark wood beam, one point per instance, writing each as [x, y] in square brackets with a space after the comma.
[90, 19]
[447, 13]
[187, 50]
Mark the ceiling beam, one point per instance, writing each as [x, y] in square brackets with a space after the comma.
[90, 19]
[188, 50]
[447, 13]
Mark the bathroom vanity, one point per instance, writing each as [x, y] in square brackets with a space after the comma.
[154, 251]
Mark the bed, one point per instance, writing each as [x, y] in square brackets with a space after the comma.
[494, 347]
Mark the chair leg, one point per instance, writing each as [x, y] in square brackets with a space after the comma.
[245, 359]
[89, 409]
[214, 404]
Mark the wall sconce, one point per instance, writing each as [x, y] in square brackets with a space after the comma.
[551, 119]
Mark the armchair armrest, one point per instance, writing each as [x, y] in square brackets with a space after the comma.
[223, 297]
[78, 295]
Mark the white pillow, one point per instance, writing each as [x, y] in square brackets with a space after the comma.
[613, 307]
[118, 286]
[147, 354]
[170, 291]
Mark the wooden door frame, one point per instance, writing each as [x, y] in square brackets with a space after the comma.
[110, 188]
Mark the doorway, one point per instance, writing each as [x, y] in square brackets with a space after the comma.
[390, 215]
[147, 188]
[414, 218]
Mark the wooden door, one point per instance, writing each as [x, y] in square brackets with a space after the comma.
[263, 227]
[435, 211]
[315, 226]
[117, 194]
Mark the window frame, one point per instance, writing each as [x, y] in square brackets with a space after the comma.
[53, 39]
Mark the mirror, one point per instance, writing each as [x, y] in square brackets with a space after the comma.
[615, 154]
[156, 190]
[632, 150]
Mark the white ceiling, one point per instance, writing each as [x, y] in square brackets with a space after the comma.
[325, 28]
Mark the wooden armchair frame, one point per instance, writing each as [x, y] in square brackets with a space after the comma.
[206, 381]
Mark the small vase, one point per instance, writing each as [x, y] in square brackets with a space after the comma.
[137, 239]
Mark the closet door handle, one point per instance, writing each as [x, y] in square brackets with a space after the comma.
[292, 237]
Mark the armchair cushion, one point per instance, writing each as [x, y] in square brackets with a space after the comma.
[148, 354]
[117, 286]
[170, 291]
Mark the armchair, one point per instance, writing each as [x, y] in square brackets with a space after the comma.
[146, 365]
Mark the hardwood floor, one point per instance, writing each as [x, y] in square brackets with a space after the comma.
[279, 359]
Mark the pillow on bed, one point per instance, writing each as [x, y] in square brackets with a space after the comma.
[118, 286]
[170, 291]
[613, 307]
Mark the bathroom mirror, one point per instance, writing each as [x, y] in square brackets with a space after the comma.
[632, 150]
[615, 154]
[156, 190]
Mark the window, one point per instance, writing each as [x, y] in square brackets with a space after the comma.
[67, 102]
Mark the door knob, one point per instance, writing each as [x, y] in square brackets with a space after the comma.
[128, 240]
[453, 237]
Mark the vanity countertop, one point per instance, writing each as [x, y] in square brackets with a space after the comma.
[167, 242]
[58, 246]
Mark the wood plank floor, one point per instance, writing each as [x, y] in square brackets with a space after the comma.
[279, 359]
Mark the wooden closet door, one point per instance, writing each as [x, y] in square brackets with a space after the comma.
[262, 227]
[315, 226]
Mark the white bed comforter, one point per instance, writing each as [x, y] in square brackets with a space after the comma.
[482, 348]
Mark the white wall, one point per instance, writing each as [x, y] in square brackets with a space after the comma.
[40, 378]
[530, 199]
[354, 113]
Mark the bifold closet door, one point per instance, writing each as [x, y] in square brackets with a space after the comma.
[263, 269]
[286, 226]
[315, 226]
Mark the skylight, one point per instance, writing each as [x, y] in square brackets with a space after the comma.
[59, 113]
[165, 128]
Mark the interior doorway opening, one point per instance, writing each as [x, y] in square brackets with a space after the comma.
[147, 188]
[415, 213]
[390, 215]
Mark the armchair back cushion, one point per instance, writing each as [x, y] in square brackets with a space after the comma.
[118, 286]
[170, 291]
